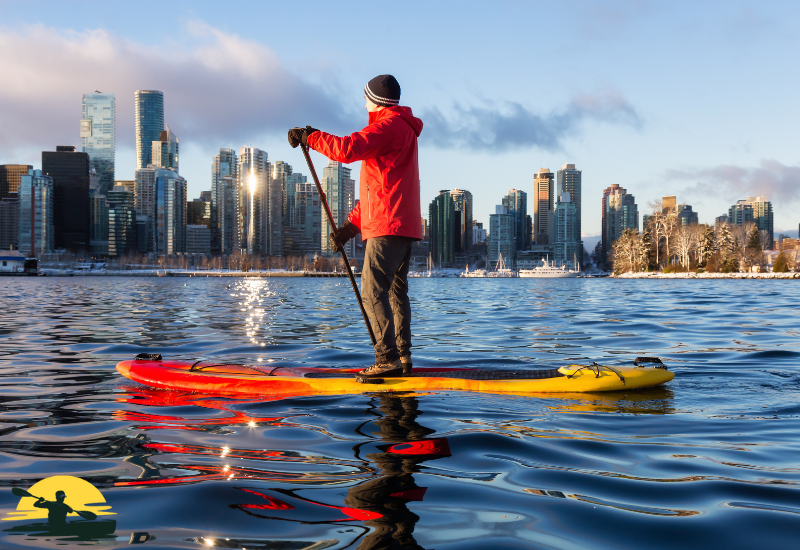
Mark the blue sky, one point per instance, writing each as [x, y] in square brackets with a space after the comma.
[696, 99]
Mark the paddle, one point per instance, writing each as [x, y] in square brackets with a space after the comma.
[82, 513]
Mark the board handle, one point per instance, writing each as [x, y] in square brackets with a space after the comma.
[148, 357]
[640, 360]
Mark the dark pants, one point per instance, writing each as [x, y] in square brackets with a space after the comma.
[384, 286]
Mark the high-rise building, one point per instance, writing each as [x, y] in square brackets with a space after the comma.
[340, 189]
[198, 239]
[753, 209]
[157, 189]
[130, 185]
[254, 180]
[568, 180]
[149, 119]
[516, 204]
[10, 175]
[205, 196]
[98, 134]
[165, 150]
[686, 216]
[619, 213]
[568, 244]
[502, 237]
[36, 197]
[543, 184]
[70, 172]
[463, 236]
[282, 171]
[98, 228]
[478, 233]
[9, 221]
[170, 213]
[198, 212]
[121, 221]
[442, 227]
[668, 203]
[225, 218]
[308, 211]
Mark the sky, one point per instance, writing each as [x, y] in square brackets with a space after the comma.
[696, 99]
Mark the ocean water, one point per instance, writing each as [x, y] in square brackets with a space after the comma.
[712, 459]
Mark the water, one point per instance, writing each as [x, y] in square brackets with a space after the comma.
[709, 460]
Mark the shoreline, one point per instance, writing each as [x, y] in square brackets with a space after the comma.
[691, 275]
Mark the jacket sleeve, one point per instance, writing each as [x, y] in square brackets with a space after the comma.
[369, 143]
[355, 216]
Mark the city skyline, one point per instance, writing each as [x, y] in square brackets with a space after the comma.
[616, 112]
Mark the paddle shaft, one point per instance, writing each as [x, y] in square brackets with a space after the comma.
[23, 493]
[324, 200]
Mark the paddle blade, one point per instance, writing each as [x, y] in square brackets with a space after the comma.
[21, 492]
[86, 514]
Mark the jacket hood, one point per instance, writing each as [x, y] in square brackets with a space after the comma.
[405, 112]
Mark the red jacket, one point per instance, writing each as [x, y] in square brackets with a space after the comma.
[389, 188]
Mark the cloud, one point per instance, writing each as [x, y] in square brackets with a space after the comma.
[777, 181]
[512, 126]
[218, 89]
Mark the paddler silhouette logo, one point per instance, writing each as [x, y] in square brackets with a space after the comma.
[57, 499]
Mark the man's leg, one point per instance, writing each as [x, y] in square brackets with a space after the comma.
[401, 307]
[382, 260]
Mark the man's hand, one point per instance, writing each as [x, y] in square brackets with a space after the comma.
[300, 135]
[346, 232]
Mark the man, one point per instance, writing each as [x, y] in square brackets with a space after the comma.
[387, 215]
[56, 511]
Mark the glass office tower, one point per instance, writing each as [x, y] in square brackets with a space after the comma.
[98, 133]
[149, 117]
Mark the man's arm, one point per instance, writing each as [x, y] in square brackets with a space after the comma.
[371, 142]
[355, 216]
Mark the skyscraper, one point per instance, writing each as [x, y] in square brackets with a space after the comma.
[753, 209]
[619, 213]
[516, 204]
[542, 205]
[165, 150]
[149, 119]
[9, 221]
[225, 219]
[121, 221]
[502, 238]
[340, 189]
[442, 226]
[10, 175]
[36, 199]
[568, 180]
[568, 244]
[254, 179]
[98, 134]
[308, 214]
[463, 237]
[71, 181]
[157, 191]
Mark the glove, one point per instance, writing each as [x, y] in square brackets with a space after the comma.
[346, 232]
[300, 135]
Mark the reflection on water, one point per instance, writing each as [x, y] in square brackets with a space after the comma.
[711, 458]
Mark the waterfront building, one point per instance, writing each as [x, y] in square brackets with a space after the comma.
[98, 136]
[121, 221]
[9, 220]
[130, 185]
[307, 235]
[254, 185]
[719, 221]
[442, 223]
[10, 175]
[224, 202]
[340, 189]
[198, 239]
[568, 180]
[70, 172]
[36, 222]
[516, 204]
[170, 213]
[669, 203]
[282, 171]
[620, 212]
[686, 216]
[165, 150]
[502, 239]
[478, 233]
[98, 228]
[753, 209]
[463, 235]
[198, 212]
[425, 233]
[543, 184]
[149, 121]
[568, 245]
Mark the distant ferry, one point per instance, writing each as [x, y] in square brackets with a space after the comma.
[549, 270]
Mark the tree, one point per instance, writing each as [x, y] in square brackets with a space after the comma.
[627, 253]
[781, 264]
[685, 241]
[725, 241]
[707, 245]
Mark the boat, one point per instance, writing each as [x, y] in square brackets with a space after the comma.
[431, 271]
[501, 270]
[550, 271]
[473, 273]
[270, 382]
